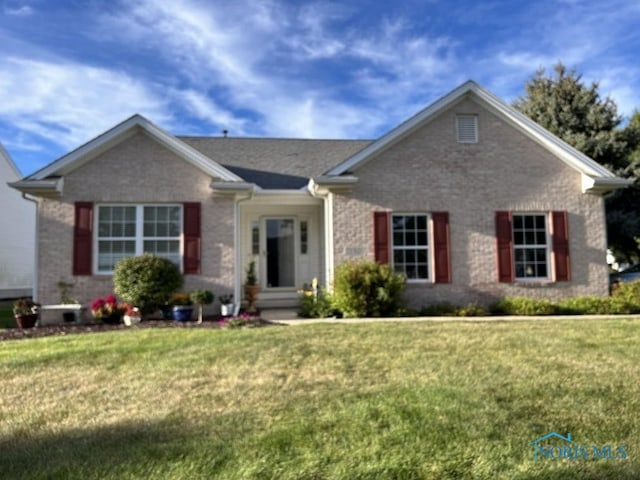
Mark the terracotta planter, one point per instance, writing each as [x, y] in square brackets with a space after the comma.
[26, 321]
[251, 296]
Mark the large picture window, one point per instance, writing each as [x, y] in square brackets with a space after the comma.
[530, 246]
[129, 230]
[410, 245]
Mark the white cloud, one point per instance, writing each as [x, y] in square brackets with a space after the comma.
[18, 11]
[205, 108]
[68, 104]
[296, 69]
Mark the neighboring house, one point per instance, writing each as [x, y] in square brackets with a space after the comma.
[469, 199]
[17, 241]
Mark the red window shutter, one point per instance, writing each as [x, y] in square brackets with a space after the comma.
[381, 236]
[505, 246]
[441, 247]
[82, 238]
[192, 242]
[560, 245]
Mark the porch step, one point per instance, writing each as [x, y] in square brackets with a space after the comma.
[277, 314]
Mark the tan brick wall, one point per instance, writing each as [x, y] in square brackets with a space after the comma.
[138, 170]
[430, 171]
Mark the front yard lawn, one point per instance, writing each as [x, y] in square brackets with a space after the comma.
[359, 401]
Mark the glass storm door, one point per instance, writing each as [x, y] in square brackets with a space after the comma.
[280, 261]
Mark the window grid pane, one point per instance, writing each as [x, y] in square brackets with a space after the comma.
[120, 234]
[530, 246]
[411, 246]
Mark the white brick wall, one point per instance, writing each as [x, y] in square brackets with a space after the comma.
[505, 170]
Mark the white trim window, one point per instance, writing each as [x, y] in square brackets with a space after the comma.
[129, 230]
[531, 246]
[410, 245]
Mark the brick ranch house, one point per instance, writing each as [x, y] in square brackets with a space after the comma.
[470, 199]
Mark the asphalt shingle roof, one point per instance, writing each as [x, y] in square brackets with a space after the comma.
[274, 163]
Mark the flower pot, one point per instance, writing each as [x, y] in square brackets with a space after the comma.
[182, 313]
[131, 319]
[251, 296]
[226, 309]
[26, 321]
[113, 319]
[167, 312]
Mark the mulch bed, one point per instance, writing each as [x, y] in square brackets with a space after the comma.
[73, 328]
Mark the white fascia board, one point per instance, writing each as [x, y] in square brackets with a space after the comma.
[42, 188]
[401, 130]
[543, 137]
[190, 154]
[603, 185]
[124, 130]
[572, 157]
[232, 188]
[325, 183]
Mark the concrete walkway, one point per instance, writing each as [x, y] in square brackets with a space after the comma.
[290, 317]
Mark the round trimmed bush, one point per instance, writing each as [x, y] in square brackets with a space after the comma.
[146, 281]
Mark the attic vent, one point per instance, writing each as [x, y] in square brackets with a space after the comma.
[467, 128]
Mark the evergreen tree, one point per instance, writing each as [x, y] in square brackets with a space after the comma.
[574, 112]
[577, 114]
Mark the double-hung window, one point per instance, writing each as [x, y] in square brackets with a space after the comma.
[530, 246]
[410, 245]
[128, 230]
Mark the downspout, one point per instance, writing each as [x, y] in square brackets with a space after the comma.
[327, 204]
[237, 289]
[36, 244]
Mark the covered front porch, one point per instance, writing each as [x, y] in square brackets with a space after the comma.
[283, 233]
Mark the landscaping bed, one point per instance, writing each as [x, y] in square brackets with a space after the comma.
[72, 328]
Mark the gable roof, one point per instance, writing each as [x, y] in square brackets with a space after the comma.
[136, 123]
[596, 178]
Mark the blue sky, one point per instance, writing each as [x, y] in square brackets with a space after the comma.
[71, 69]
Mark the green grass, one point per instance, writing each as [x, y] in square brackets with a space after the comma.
[6, 315]
[361, 401]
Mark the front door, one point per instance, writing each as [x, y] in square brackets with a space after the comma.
[280, 252]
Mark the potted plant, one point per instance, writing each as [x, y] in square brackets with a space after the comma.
[66, 299]
[200, 298]
[106, 309]
[25, 312]
[167, 310]
[251, 287]
[226, 305]
[131, 315]
[182, 307]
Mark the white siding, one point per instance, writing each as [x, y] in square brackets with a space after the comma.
[17, 241]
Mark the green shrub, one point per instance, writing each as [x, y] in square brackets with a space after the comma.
[523, 306]
[146, 281]
[471, 310]
[438, 310]
[367, 289]
[315, 307]
[627, 295]
[587, 306]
